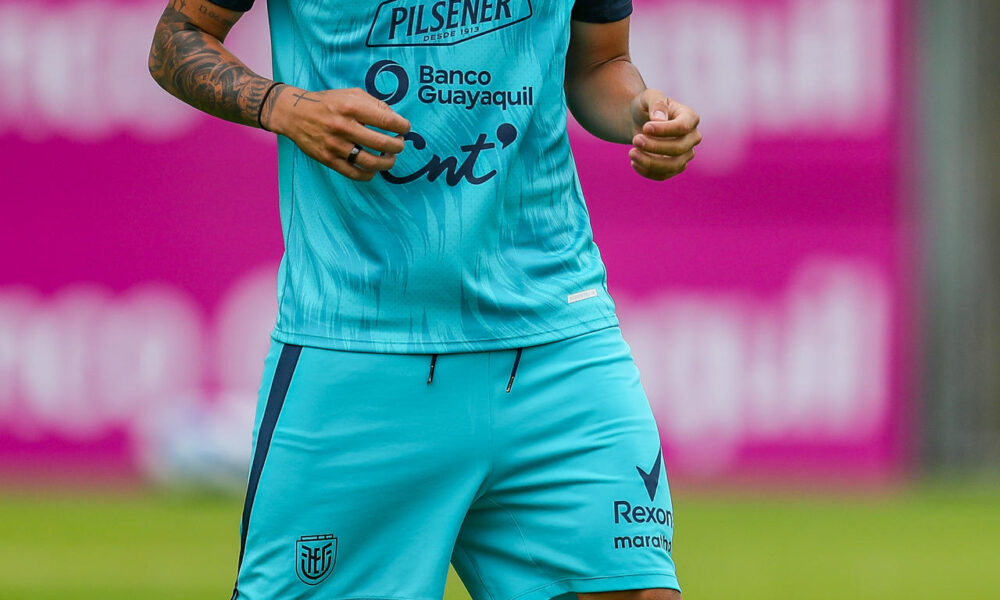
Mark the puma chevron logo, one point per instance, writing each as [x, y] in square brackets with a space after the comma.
[652, 478]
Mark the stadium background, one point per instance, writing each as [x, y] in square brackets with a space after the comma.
[813, 305]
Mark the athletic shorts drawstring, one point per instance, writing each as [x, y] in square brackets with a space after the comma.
[513, 370]
[430, 374]
[510, 382]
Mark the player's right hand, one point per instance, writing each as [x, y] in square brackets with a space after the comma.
[326, 125]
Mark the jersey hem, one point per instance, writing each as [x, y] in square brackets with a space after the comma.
[610, 583]
[443, 347]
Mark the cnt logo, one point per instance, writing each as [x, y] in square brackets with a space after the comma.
[442, 22]
[454, 169]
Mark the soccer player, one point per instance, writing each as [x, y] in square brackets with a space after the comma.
[447, 380]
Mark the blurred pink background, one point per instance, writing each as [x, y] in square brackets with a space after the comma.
[767, 293]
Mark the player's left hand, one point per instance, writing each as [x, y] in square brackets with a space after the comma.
[666, 133]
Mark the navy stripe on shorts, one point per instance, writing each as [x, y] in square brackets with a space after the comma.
[275, 400]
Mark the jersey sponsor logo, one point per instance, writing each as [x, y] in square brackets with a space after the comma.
[454, 170]
[442, 22]
[627, 542]
[388, 67]
[388, 81]
[626, 512]
[652, 478]
[315, 557]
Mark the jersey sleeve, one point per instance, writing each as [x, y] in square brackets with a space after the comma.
[240, 5]
[601, 11]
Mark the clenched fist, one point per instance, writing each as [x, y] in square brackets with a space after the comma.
[666, 133]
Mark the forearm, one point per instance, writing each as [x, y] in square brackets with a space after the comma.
[194, 66]
[600, 97]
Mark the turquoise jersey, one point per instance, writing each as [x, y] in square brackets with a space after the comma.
[479, 237]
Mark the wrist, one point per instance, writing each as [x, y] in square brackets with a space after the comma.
[274, 111]
[638, 113]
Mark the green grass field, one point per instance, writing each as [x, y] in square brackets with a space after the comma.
[928, 542]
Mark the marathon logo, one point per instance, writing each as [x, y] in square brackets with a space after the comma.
[627, 542]
[442, 22]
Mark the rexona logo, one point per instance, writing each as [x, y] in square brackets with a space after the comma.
[442, 22]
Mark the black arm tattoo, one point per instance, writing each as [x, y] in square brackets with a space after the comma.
[301, 97]
[194, 66]
[270, 100]
[211, 14]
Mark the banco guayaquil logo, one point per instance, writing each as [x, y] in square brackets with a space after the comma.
[389, 67]
[442, 22]
[315, 557]
[388, 81]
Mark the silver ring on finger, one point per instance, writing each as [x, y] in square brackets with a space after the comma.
[353, 156]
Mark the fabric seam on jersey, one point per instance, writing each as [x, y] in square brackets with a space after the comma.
[291, 190]
[483, 487]
[477, 571]
[578, 188]
[291, 219]
[443, 347]
[491, 433]
[524, 540]
[582, 579]
[610, 317]
[604, 269]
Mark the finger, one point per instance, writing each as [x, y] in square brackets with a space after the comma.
[375, 162]
[350, 171]
[370, 111]
[682, 124]
[649, 173]
[658, 108]
[367, 160]
[376, 140]
[667, 146]
[341, 166]
[658, 167]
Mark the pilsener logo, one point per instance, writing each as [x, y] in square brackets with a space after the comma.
[442, 22]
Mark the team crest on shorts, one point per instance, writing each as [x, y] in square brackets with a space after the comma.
[315, 557]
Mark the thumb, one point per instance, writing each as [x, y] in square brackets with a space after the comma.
[658, 109]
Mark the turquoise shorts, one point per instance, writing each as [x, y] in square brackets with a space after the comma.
[536, 472]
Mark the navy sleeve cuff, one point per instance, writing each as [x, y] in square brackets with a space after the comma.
[240, 5]
[601, 11]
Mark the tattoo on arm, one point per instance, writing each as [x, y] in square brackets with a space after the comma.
[194, 66]
[303, 96]
[270, 100]
[211, 14]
